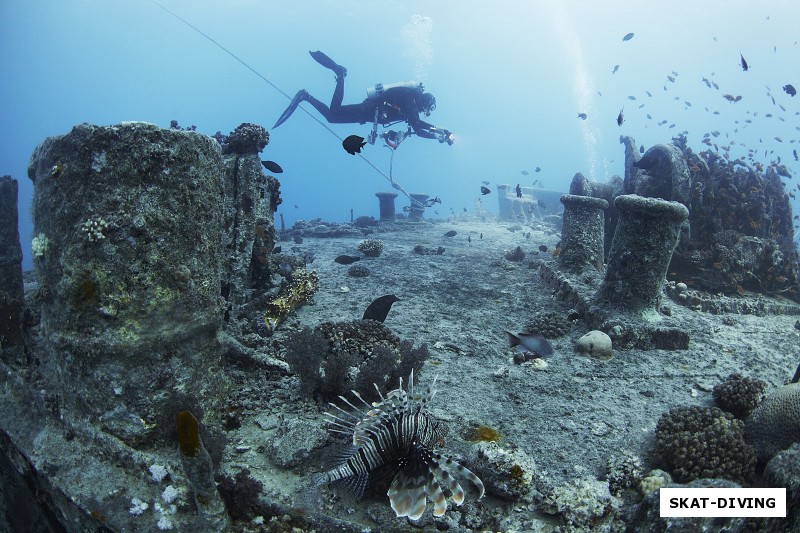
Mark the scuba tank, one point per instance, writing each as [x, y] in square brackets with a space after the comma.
[379, 88]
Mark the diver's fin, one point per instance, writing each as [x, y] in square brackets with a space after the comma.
[327, 62]
[301, 96]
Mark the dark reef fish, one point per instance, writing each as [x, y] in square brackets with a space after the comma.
[353, 144]
[430, 201]
[537, 169]
[451, 233]
[395, 438]
[620, 117]
[524, 172]
[530, 342]
[628, 37]
[582, 116]
[347, 259]
[285, 269]
[745, 66]
[484, 191]
[379, 309]
[789, 89]
[272, 166]
[616, 68]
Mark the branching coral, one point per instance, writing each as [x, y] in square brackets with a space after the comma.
[247, 138]
[95, 228]
[371, 247]
[335, 357]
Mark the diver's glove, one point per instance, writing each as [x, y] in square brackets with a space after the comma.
[445, 136]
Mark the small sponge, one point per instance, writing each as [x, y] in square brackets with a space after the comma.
[188, 434]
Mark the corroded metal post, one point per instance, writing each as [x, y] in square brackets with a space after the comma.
[133, 215]
[386, 205]
[417, 206]
[645, 238]
[582, 233]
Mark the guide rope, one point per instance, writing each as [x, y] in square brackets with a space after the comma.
[389, 178]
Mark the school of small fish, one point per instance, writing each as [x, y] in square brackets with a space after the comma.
[724, 142]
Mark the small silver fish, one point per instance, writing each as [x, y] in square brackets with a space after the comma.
[530, 342]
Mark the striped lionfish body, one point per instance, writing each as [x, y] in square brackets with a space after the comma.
[398, 433]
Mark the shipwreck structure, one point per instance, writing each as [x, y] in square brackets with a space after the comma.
[689, 223]
[151, 246]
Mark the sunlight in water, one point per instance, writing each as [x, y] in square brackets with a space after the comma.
[583, 88]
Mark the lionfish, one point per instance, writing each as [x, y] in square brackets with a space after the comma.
[398, 434]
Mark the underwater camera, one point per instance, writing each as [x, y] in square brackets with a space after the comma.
[445, 136]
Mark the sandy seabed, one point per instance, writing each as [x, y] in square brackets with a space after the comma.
[570, 417]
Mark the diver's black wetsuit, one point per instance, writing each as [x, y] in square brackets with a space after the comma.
[393, 105]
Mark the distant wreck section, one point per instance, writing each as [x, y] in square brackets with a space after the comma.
[702, 227]
[150, 248]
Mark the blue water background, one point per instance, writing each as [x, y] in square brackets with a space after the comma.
[510, 78]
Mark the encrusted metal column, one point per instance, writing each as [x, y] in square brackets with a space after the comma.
[386, 205]
[646, 235]
[129, 223]
[417, 206]
[12, 297]
[582, 233]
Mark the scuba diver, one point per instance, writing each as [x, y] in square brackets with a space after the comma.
[385, 105]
